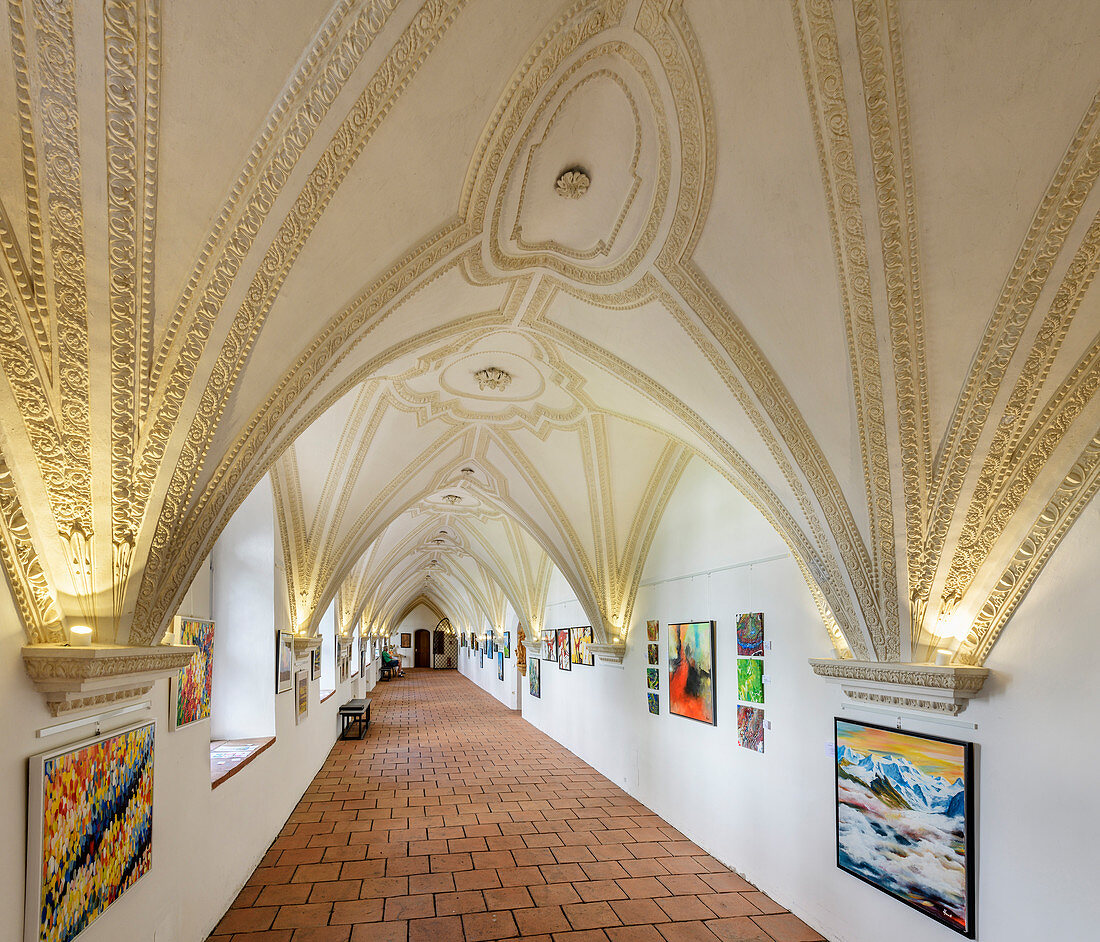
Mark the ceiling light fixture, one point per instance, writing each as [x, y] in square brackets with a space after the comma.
[492, 377]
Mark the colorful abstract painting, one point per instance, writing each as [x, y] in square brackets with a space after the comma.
[534, 675]
[654, 702]
[551, 645]
[565, 650]
[652, 678]
[481, 659]
[500, 665]
[90, 830]
[507, 644]
[651, 653]
[301, 695]
[750, 728]
[750, 680]
[315, 663]
[691, 670]
[284, 661]
[582, 652]
[903, 818]
[652, 629]
[190, 688]
[750, 634]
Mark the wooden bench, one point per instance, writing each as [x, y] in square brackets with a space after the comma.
[354, 717]
[389, 671]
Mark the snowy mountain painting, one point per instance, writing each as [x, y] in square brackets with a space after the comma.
[903, 821]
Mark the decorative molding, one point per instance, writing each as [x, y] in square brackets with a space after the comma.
[923, 687]
[572, 184]
[609, 653]
[73, 678]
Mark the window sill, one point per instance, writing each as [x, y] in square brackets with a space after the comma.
[325, 694]
[236, 754]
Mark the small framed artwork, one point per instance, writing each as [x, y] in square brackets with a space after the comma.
[691, 670]
[301, 695]
[651, 653]
[534, 675]
[507, 644]
[481, 655]
[652, 678]
[284, 661]
[750, 634]
[652, 629]
[89, 829]
[654, 699]
[463, 643]
[362, 657]
[551, 645]
[750, 679]
[750, 728]
[500, 665]
[315, 664]
[565, 650]
[582, 651]
[906, 798]
[406, 639]
[190, 688]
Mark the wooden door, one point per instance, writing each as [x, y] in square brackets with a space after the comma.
[423, 648]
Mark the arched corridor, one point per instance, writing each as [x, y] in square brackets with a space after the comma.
[455, 819]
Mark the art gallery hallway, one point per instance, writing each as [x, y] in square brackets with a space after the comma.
[455, 819]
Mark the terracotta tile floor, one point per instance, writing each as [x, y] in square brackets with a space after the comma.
[455, 819]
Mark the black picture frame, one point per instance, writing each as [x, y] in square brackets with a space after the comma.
[934, 909]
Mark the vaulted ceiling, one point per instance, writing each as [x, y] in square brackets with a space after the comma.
[840, 252]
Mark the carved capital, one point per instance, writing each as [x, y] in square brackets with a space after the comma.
[303, 646]
[930, 688]
[608, 653]
[78, 678]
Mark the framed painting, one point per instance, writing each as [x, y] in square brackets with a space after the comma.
[89, 829]
[654, 699]
[301, 695]
[904, 818]
[481, 656]
[652, 630]
[691, 670]
[507, 644]
[651, 653]
[652, 678]
[315, 664]
[750, 679]
[750, 634]
[500, 665]
[565, 650]
[190, 688]
[463, 641]
[551, 645]
[750, 728]
[582, 650]
[534, 675]
[284, 661]
[362, 658]
[406, 639]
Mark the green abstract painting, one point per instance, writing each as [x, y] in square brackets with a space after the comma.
[750, 680]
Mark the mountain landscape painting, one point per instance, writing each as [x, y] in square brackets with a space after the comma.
[904, 818]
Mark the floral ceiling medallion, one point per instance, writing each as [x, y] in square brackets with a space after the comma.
[451, 498]
[572, 184]
[492, 377]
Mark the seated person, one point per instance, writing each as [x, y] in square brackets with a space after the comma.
[389, 662]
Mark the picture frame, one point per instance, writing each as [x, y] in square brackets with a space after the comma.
[692, 682]
[284, 661]
[301, 696]
[551, 645]
[69, 803]
[582, 652]
[507, 644]
[500, 665]
[315, 663]
[190, 687]
[534, 676]
[406, 639]
[903, 796]
[565, 650]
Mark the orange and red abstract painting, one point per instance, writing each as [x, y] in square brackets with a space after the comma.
[691, 670]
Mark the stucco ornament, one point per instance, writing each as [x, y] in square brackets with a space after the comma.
[572, 184]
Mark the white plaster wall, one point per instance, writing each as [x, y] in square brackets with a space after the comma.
[507, 690]
[205, 842]
[771, 816]
[420, 617]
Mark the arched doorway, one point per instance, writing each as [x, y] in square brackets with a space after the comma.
[422, 648]
[445, 646]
